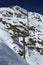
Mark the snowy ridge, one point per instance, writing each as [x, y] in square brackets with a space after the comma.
[13, 24]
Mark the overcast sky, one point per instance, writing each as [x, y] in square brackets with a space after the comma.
[32, 5]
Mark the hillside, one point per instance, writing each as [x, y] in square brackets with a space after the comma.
[14, 25]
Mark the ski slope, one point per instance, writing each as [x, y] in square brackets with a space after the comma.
[8, 57]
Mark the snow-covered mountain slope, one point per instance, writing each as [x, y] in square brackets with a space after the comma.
[14, 25]
[8, 57]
